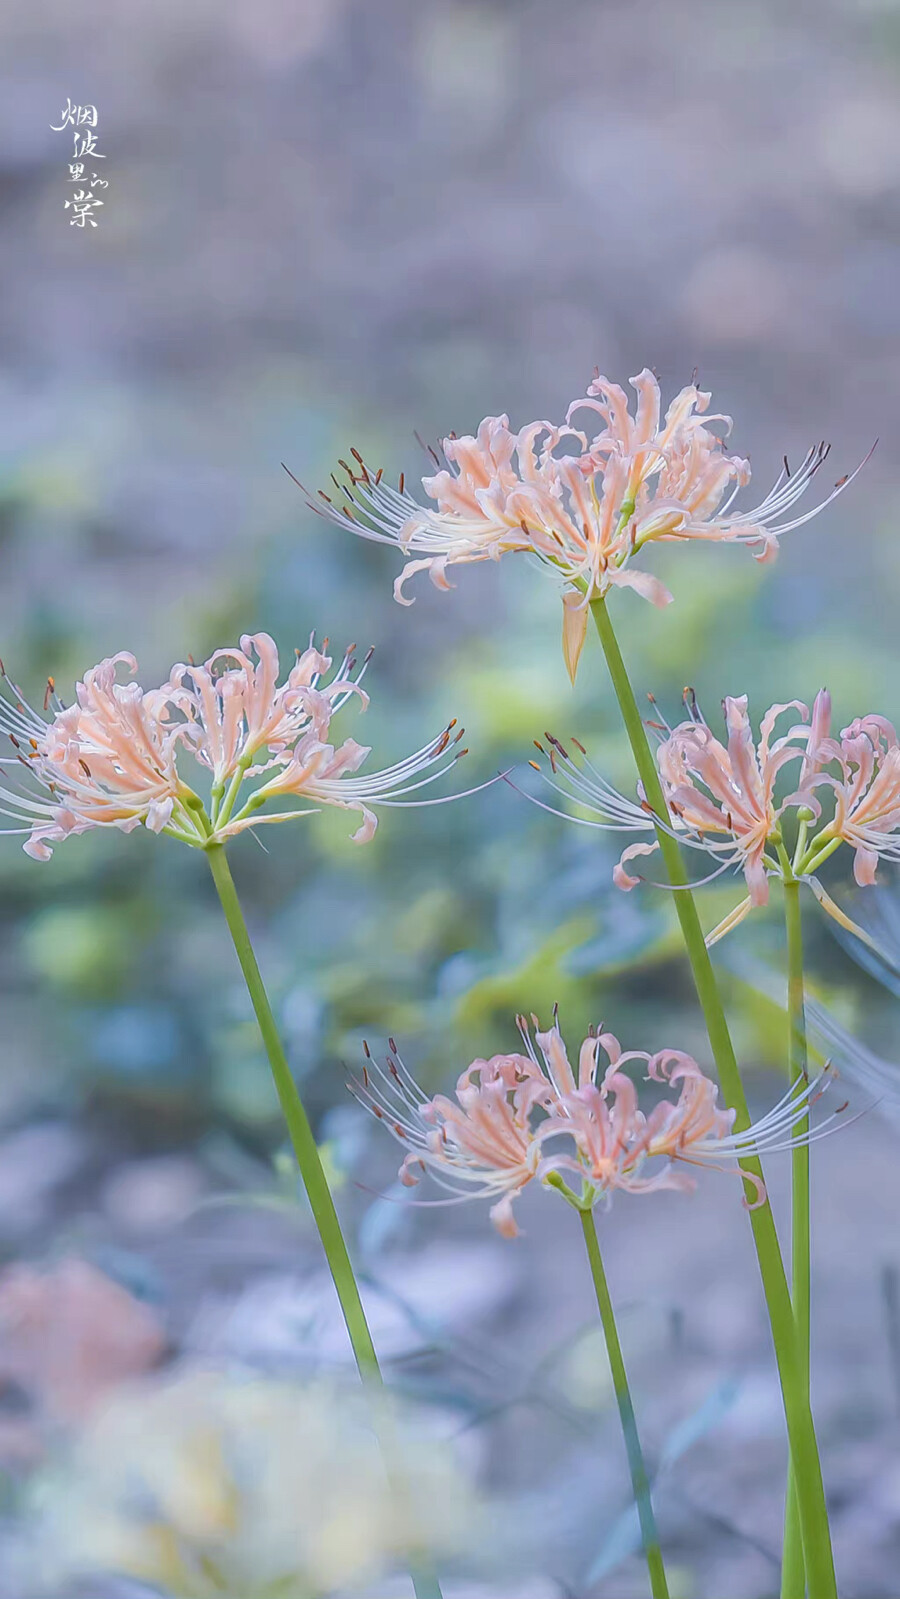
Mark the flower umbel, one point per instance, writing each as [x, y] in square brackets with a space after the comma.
[491, 1140]
[585, 504]
[112, 759]
[722, 797]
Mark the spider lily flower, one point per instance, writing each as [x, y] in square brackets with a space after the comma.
[481, 1145]
[109, 760]
[493, 1138]
[584, 505]
[115, 757]
[866, 793]
[615, 1140]
[722, 797]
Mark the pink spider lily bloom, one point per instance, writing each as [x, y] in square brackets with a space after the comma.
[112, 758]
[615, 1139]
[866, 794]
[109, 760]
[489, 1142]
[721, 797]
[484, 1143]
[236, 707]
[729, 789]
[584, 506]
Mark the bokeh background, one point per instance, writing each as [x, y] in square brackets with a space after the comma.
[332, 223]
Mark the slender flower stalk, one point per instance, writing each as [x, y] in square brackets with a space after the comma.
[798, 1414]
[640, 1482]
[298, 1125]
[309, 1161]
[793, 1568]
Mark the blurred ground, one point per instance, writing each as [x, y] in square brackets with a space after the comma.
[330, 224]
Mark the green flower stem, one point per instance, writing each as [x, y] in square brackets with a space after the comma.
[308, 1158]
[793, 1570]
[817, 854]
[640, 1482]
[798, 1415]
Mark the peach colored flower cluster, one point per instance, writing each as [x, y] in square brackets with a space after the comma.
[502, 1130]
[722, 797]
[585, 504]
[114, 757]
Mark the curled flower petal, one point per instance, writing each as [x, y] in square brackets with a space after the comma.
[621, 877]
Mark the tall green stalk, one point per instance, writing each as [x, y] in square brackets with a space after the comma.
[640, 1482]
[793, 1569]
[307, 1153]
[798, 1415]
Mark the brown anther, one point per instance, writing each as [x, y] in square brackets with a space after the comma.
[326, 497]
[379, 475]
[392, 1046]
[579, 746]
[366, 1050]
[365, 1077]
[535, 765]
[13, 740]
[402, 481]
[377, 1111]
[399, 1130]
